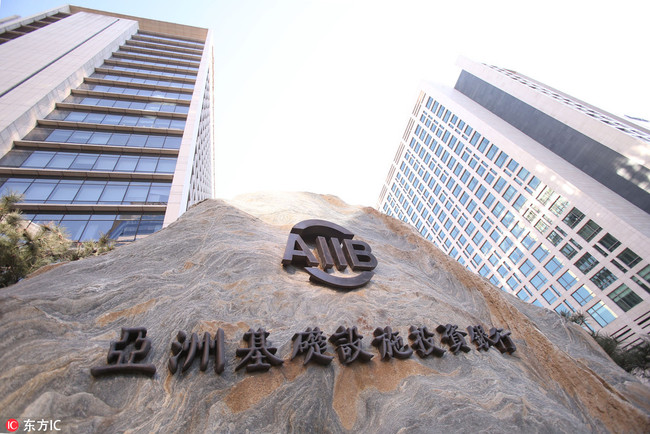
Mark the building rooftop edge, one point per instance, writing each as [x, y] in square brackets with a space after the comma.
[146, 24]
[484, 70]
[638, 219]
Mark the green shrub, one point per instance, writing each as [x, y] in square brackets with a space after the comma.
[631, 359]
[26, 247]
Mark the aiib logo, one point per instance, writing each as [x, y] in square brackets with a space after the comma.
[335, 248]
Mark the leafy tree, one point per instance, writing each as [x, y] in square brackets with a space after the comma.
[25, 247]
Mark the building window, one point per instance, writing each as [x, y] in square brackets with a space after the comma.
[498, 186]
[625, 298]
[582, 295]
[541, 226]
[498, 210]
[88, 191]
[501, 159]
[87, 161]
[489, 200]
[609, 242]
[116, 119]
[534, 183]
[553, 266]
[519, 203]
[524, 294]
[531, 214]
[517, 230]
[516, 255]
[549, 296]
[540, 253]
[645, 275]
[568, 251]
[567, 280]
[574, 217]
[509, 193]
[603, 278]
[545, 195]
[564, 307]
[555, 238]
[601, 314]
[523, 174]
[559, 206]
[538, 280]
[589, 230]
[505, 244]
[586, 263]
[527, 267]
[629, 258]
[104, 138]
[529, 241]
[507, 219]
[119, 227]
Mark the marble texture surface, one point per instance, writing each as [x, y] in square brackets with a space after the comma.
[219, 267]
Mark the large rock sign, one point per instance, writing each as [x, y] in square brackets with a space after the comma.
[219, 266]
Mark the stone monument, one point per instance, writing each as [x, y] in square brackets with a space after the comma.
[218, 270]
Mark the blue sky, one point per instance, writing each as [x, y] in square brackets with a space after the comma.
[314, 95]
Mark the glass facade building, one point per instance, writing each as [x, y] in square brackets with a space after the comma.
[112, 132]
[541, 194]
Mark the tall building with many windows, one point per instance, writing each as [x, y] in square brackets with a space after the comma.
[105, 120]
[542, 194]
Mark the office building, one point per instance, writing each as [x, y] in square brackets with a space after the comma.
[544, 195]
[105, 120]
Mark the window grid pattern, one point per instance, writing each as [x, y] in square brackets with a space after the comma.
[135, 91]
[140, 80]
[200, 179]
[148, 71]
[62, 135]
[155, 57]
[448, 175]
[153, 62]
[64, 160]
[62, 191]
[119, 227]
[167, 107]
[162, 50]
[93, 117]
[165, 67]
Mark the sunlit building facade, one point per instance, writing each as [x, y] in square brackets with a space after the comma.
[545, 196]
[105, 120]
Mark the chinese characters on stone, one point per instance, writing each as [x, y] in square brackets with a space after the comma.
[127, 355]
